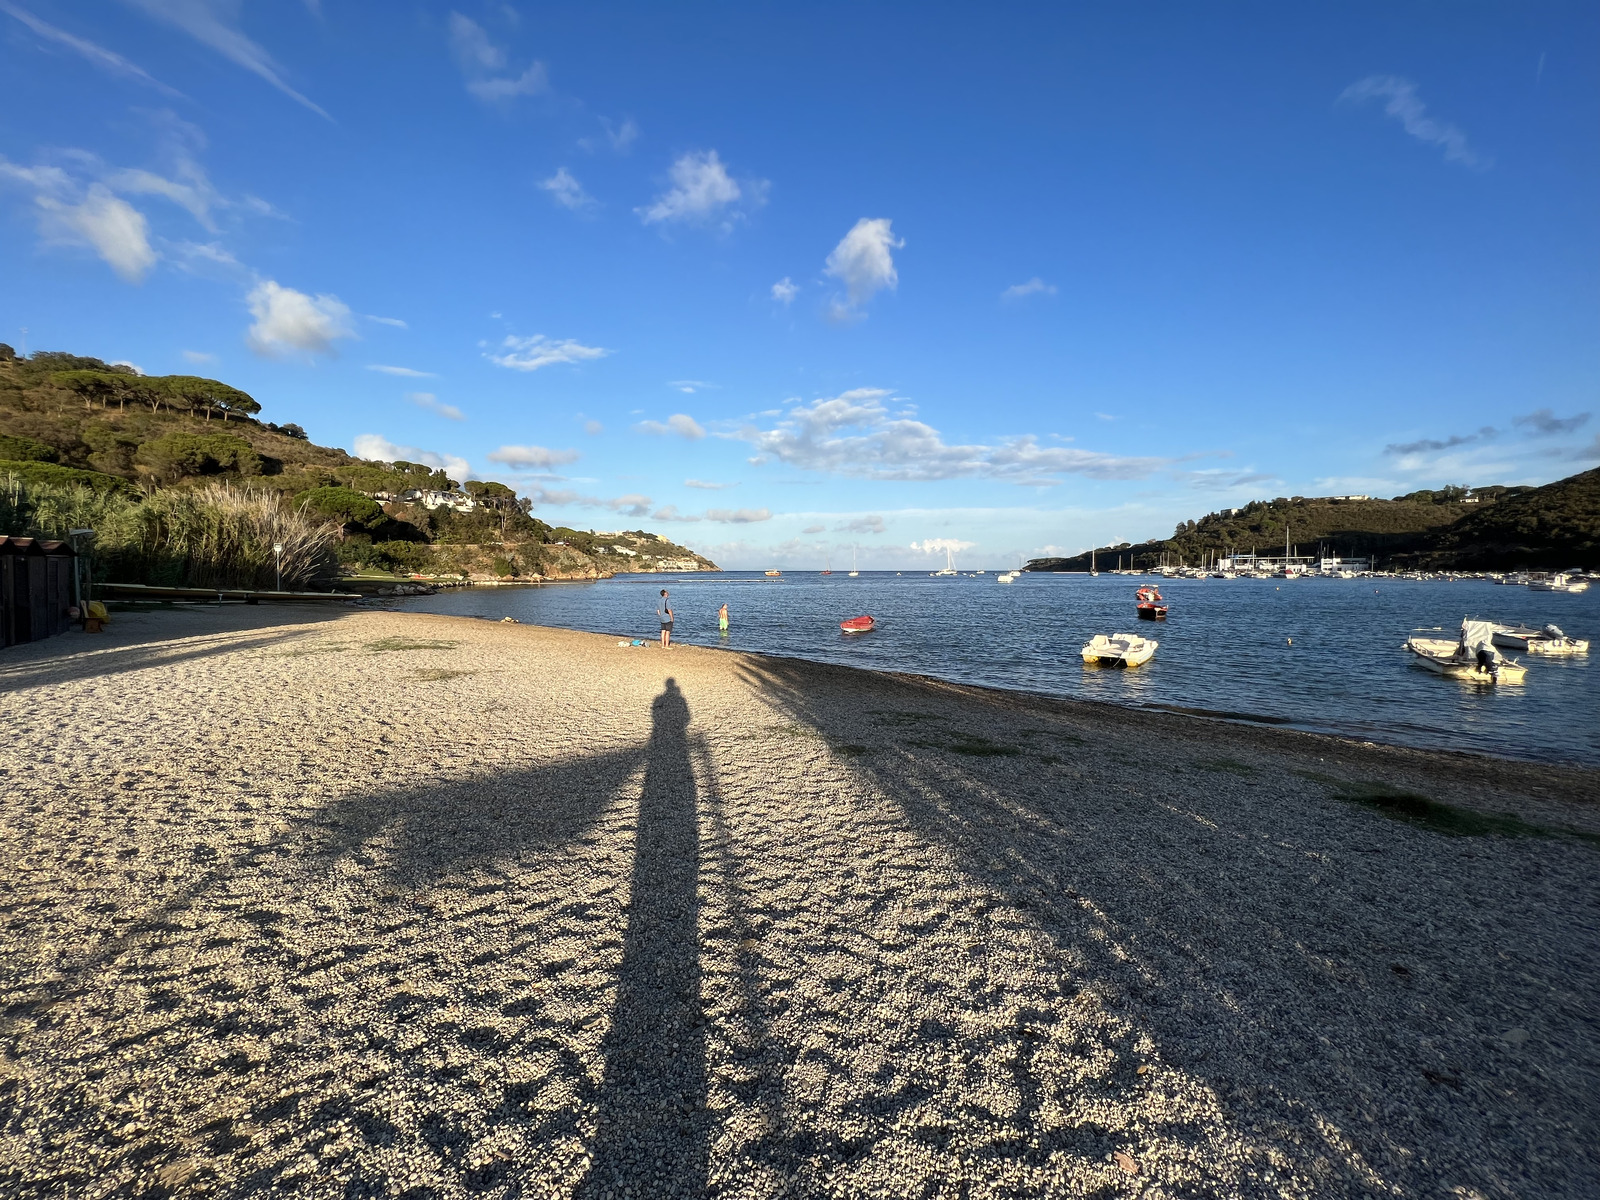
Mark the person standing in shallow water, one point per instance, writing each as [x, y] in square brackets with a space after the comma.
[722, 619]
[664, 611]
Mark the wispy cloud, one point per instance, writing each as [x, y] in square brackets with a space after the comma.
[1034, 287]
[681, 424]
[593, 428]
[1433, 445]
[403, 372]
[706, 486]
[1402, 103]
[202, 20]
[287, 320]
[703, 192]
[376, 448]
[785, 290]
[566, 191]
[430, 402]
[855, 435]
[199, 357]
[864, 262]
[531, 353]
[532, 458]
[1544, 422]
[483, 64]
[872, 523]
[116, 230]
[689, 386]
[106, 60]
[738, 516]
[630, 505]
[396, 322]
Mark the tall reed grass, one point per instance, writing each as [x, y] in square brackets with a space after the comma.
[218, 535]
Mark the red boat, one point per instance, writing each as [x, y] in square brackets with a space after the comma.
[857, 625]
[1150, 604]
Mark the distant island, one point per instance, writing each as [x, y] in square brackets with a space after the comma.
[1553, 527]
[154, 462]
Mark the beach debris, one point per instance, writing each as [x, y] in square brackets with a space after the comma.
[1126, 1161]
[509, 621]
[1144, 1069]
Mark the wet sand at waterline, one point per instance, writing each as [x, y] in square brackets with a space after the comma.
[378, 903]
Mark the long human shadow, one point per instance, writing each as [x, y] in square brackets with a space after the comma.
[652, 1131]
[1223, 933]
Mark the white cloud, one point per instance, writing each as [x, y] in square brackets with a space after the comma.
[863, 263]
[201, 21]
[630, 505]
[868, 524]
[814, 529]
[287, 320]
[689, 386]
[702, 191]
[532, 458]
[681, 424]
[118, 232]
[940, 545]
[621, 136]
[855, 435]
[531, 353]
[101, 57]
[430, 402]
[785, 290]
[376, 448]
[480, 60]
[193, 192]
[593, 428]
[738, 516]
[669, 512]
[703, 485]
[566, 191]
[403, 372]
[1402, 103]
[1034, 287]
[396, 322]
[199, 356]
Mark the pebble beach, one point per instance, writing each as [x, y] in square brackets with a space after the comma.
[372, 903]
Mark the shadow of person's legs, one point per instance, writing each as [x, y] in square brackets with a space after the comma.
[652, 1127]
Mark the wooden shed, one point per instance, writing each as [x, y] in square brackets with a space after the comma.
[35, 589]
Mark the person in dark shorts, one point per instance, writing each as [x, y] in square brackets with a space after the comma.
[664, 611]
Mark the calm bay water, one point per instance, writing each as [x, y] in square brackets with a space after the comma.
[1322, 654]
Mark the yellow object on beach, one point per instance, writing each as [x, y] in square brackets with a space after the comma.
[97, 610]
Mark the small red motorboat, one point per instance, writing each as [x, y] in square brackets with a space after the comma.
[1150, 604]
[857, 625]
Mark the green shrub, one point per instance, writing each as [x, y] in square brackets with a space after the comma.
[403, 556]
[179, 455]
[55, 475]
[26, 449]
[353, 510]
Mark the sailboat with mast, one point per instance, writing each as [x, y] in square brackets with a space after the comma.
[1092, 569]
[949, 564]
[853, 571]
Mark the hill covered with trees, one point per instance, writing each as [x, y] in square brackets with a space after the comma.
[84, 425]
[1490, 528]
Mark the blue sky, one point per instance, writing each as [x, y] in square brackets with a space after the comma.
[777, 281]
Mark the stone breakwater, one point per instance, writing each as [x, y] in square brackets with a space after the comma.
[373, 903]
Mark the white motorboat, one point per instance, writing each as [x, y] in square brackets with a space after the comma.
[1549, 640]
[1559, 583]
[1007, 576]
[1472, 656]
[1119, 650]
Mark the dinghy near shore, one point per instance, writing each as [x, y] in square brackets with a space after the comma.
[858, 625]
[1119, 650]
[1472, 656]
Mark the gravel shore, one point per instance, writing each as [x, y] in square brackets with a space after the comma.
[371, 903]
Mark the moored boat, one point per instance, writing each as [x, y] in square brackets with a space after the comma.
[1149, 604]
[1119, 650]
[858, 625]
[773, 574]
[1549, 640]
[1472, 656]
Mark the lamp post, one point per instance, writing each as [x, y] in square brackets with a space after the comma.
[277, 556]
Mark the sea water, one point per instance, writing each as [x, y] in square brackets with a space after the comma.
[1319, 654]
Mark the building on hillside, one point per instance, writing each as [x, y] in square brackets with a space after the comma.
[677, 564]
[430, 499]
[1347, 499]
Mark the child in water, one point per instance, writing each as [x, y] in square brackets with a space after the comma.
[722, 619]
